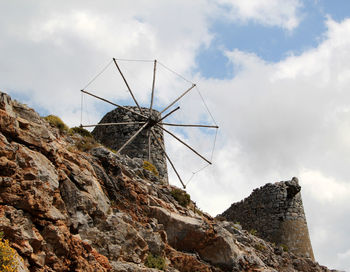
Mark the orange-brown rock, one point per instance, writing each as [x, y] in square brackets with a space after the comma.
[67, 210]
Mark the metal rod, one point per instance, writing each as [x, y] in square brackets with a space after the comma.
[112, 124]
[177, 138]
[127, 85]
[166, 155]
[177, 99]
[154, 79]
[132, 137]
[183, 125]
[81, 108]
[168, 114]
[105, 100]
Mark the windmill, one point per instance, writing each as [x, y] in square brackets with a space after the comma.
[150, 121]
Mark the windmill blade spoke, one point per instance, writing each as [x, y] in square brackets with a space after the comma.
[114, 104]
[166, 155]
[185, 125]
[168, 114]
[112, 124]
[177, 138]
[147, 122]
[154, 79]
[127, 85]
[149, 145]
[177, 99]
[132, 137]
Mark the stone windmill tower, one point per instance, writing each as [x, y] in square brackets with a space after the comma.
[116, 136]
[276, 212]
[138, 131]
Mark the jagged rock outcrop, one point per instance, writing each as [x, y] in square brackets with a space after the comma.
[67, 210]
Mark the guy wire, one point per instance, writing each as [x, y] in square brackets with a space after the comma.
[181, 76]
[94, 78]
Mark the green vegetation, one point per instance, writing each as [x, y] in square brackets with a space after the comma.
[155, 262]
[284, 247]
[79, 130]
[253, 232]
[237, 226]
[198, 211]
[111, 149]
[220, 218]
[86, 143]
[150, 167]
[260, 247]
[8, 256]
[181, 196]
[55, 121]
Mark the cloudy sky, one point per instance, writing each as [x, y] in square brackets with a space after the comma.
[275, 75]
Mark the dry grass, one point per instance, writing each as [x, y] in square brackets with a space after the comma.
[55, 121]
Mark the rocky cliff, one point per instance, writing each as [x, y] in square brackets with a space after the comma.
[63, 209]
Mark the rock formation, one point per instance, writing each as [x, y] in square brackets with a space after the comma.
[67, 210]
[276, 212]
[114, 136]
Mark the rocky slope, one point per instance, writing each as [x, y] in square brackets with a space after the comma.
[63, 209]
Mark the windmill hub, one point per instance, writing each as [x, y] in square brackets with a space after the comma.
[153, 119]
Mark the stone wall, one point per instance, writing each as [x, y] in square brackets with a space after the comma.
[114, 136]
[276, 212]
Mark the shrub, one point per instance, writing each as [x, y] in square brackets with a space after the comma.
[111, 149]
[284, 247]
[260, 247]
[8, 256]
[181, 196]
[56, 122]
[237, 225]
[86, 144]
[155, 262]
[150, 167]
[220, 218]
[82, 131]
[198, 211]
[253, 232]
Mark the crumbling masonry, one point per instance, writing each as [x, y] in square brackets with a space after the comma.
[276, 212]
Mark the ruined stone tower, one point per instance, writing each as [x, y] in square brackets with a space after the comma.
[114, 136]
[276, 212]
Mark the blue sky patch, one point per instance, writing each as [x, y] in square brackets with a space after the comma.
[272, 44]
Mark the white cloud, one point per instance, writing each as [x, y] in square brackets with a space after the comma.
[54, 49]
[276, 119]
[329, 190]
[290, 114]
[291, 118]
[344, 258]
[281, 13]
[326, 207]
